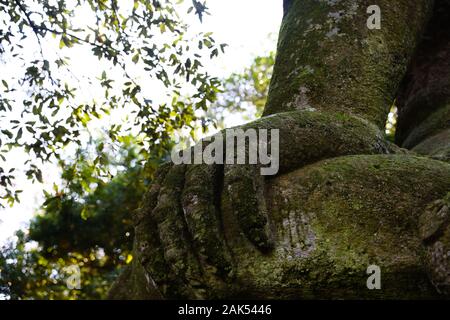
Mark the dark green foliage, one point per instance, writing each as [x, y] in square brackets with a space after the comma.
[92, 230]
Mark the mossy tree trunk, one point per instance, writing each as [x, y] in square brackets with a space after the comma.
[346, 198]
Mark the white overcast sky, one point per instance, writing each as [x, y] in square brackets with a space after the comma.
[243, 24]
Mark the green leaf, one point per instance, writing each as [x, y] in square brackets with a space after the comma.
[84, 213]
[8, 133]
[30, 129]
[214, 53]
[39, 175]
[19, 134]
[62, 43]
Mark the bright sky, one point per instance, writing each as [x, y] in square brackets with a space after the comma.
[245, 25]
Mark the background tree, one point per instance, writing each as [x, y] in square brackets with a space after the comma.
[91, 230]
[41, 106]
[244, 93]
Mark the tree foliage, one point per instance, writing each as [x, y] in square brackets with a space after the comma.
[44, 107]
[90, 230]
[245, 92]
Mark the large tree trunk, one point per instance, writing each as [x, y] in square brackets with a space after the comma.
[334, 218]
[328, 59]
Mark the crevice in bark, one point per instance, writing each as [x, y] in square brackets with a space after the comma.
[426, 86]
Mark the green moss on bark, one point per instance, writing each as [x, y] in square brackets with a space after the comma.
[329, 60]
[333, 219]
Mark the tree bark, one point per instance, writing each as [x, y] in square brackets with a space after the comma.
[424, 98]
[328, 59]
[346, 199]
